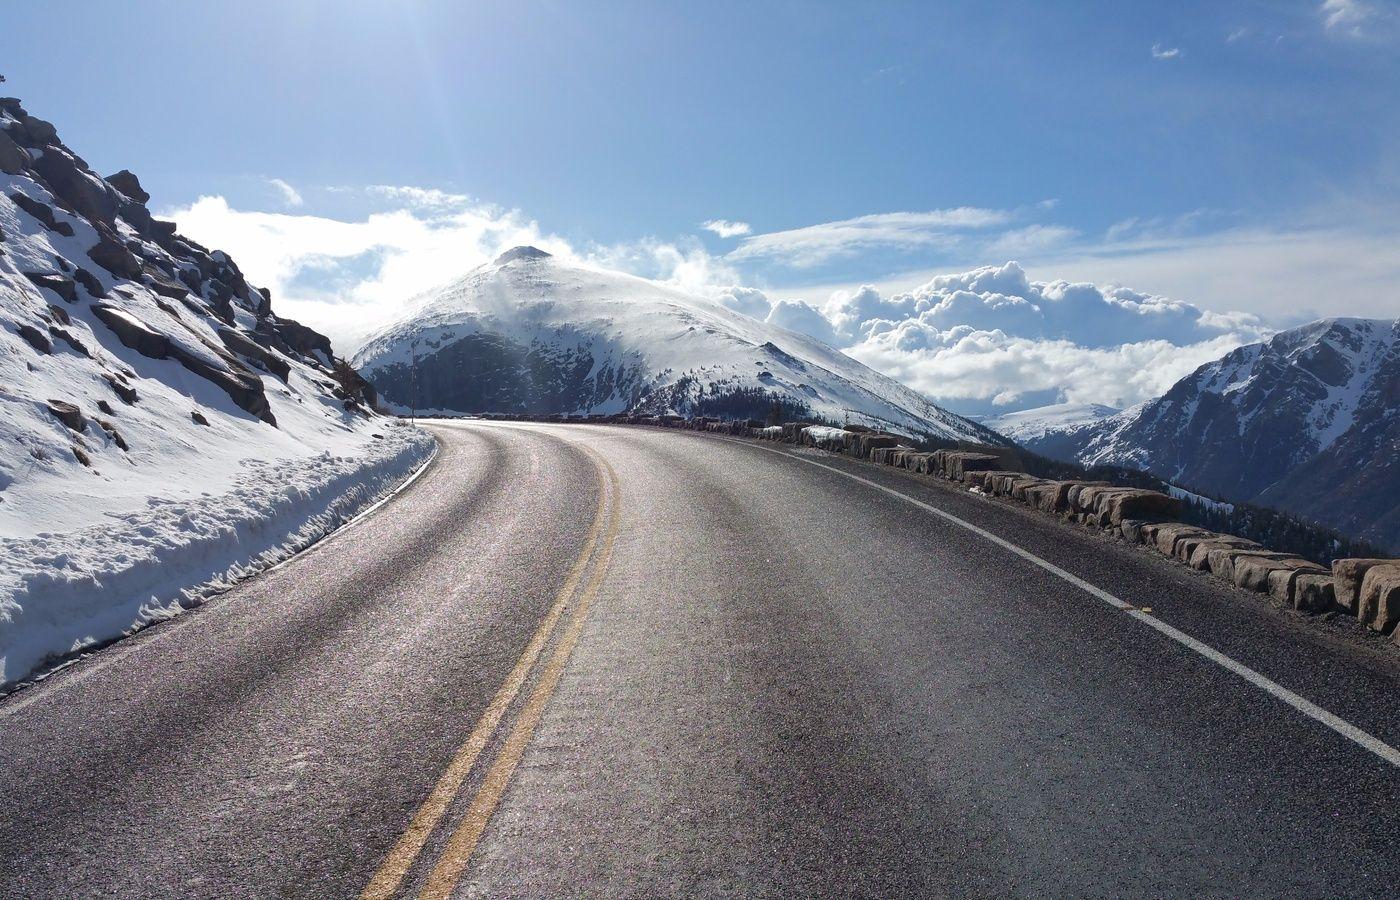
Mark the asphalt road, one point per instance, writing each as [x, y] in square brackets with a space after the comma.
[588, 660]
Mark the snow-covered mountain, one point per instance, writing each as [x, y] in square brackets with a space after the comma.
[1050, 430]
[160, 426]
[529, 332]
[1307, 421]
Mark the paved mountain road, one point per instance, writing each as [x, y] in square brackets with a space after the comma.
[587, 660]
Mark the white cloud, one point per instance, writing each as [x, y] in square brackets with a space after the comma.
[992, 337]
[816, 244]
[1237, 35]
[1160, 52]
[1347, 16]
[750, 301]
[290, 196]
[419, 197]
[800, 316]
[346, 278]
[727, 229]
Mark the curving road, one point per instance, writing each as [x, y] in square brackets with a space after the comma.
[588, 660]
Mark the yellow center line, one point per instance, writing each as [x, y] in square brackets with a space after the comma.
[458, 851]
[400, 859]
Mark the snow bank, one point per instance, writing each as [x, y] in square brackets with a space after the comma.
[825, 433]
[64, 592]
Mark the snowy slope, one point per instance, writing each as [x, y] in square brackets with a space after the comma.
[1029, 425]
[160, 426]
[530, 333]
[1308, 421]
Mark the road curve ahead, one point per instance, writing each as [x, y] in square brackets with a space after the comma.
[593, 660]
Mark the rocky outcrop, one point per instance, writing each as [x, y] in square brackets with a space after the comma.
[155, 291]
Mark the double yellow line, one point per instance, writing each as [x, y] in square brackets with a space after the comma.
[458, 851]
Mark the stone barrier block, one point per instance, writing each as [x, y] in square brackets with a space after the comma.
[960, 462]
[1222, 562]
[1283, 581]
[1314, 593]
[1200, 552]
[1131, 529]
[1078, 487]
[1348, 574]
[1379, 604]
[1167, 534]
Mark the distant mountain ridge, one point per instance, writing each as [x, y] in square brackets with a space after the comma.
[529, 332]
[1308, 421]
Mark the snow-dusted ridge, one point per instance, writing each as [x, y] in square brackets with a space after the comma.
[162, 430]
[529, 332]
[1307, 421]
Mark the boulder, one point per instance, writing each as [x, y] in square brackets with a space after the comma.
[89, 282]
[120, 388]
[68, 414]
[35, 338]
[239, 343]
[127, 182]
[115, 258]
[242, 386]
[61, 285]
[88, 196]
[67, 338]
[1251, 571]
[1313, 593]
[1379, 604]
[35, 129]
[1283, 581]
[302, 339]
[41, 212]
[12, 157]
[1348, 574]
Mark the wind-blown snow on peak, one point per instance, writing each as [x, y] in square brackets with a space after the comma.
[525, 252]
[554, 337]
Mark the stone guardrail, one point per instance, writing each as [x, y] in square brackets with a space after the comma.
[1368, 589]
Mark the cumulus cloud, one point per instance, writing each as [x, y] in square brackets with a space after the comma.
[980, 371]
[815, 244]
[991, 337]
[1160, 52]
[347, 278]
[749, 301]
[727, 229]
[290, 196]
[801, 316]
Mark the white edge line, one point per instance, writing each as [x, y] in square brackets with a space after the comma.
[99, 659]
[1306, 707]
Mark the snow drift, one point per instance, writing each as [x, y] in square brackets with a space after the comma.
[160, 426]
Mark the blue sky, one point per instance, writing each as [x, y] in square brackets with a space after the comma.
[1237, 155]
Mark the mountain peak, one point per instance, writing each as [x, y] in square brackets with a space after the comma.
[523, 252]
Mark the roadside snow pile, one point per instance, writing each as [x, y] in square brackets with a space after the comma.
[62, 593]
